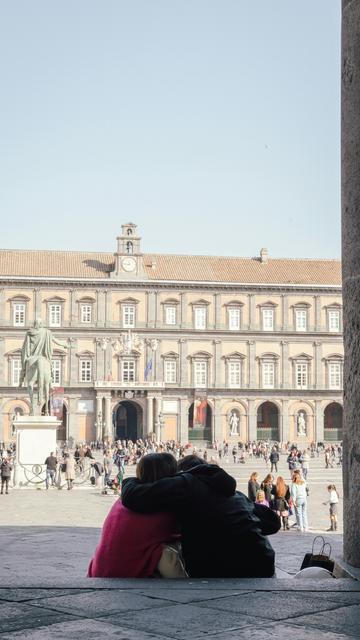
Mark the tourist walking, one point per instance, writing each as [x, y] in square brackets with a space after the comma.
[274, 459]
[5, 471]
[281, 493]
[69, 470]
[299, 497]
[253, 486]
[51, 463]
[334, 503]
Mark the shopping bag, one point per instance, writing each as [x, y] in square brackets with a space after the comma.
[320, 559]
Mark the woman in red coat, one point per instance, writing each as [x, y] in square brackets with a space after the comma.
[133, 544]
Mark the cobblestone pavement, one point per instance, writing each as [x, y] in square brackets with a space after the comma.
[48, 537]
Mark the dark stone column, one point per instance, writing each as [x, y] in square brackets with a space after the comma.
[350, 76]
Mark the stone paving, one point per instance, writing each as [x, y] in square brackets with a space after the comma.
[47, 538]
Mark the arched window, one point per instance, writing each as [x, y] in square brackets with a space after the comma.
[129, 247]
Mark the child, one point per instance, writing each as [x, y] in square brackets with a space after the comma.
[260, 498]
[333, 502]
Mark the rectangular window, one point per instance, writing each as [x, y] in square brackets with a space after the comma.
[129, 316]
[200, 317]
[301, 375]
[15, 372]
[85, 314]
[56, 372]
[55, 315]
[200, 374]
[334, 375]
[170, 315]
[234, 374]
[268, 375]
[300, 319]
[85, 370]
[268, 319]
[19, 314]
[128, 370]
[334, 320]
[170, 371]
[234, 319]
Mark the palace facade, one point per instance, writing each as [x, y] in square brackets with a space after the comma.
[259, 338]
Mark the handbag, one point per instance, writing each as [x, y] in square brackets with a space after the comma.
[320, 559]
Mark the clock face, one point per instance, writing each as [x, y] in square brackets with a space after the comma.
[128, 264]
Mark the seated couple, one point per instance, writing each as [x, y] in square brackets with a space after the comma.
[222, 533]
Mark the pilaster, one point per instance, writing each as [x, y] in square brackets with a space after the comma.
[285, 311]
[217, 366]
[217, 311]
[251, 364]
[183, 309]
[318, 365]
[252, 417]
[183, 346]
[108, 309]
[319, 421]
[285, 364]
[184, 421]
[252, 312]
[100, 307]
[285, 430]
[217, 434]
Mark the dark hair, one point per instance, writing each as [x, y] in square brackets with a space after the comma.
[189, 462]
[155, 466]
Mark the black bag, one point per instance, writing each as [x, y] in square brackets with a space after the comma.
[63, 467]
[320, 559]
[92, 480]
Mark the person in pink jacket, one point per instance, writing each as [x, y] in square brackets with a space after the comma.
[134, 545]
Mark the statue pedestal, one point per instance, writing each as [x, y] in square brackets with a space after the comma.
[35, 439]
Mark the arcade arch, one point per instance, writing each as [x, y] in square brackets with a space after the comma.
[128, 421]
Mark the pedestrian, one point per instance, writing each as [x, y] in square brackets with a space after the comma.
[234, 453]
[333, 502]
[274, 459]
[260, 498]
[299, 497]
[69, 470]
[305, 463]
[51, 464]
[5, 471]
[267, 486]
[253, 486]
[281, 493]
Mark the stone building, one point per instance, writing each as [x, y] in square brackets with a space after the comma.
[259, 338]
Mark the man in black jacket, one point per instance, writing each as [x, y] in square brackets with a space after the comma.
[274, 459]
[223, 534]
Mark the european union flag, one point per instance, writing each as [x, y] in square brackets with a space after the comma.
[148, 368]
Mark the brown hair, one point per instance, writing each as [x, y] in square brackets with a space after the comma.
[268, 479]
[280, 487]
[155, 466]
[253, 476]
[189, 462]
[296, 477]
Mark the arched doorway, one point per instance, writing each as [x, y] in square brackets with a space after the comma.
[333, 422]
[268, 422]
[127, 418]
[200, 433]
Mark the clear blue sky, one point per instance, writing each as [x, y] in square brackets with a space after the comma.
[212, 124]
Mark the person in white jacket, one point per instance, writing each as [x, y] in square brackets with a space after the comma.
[333, 502]
[299, 497]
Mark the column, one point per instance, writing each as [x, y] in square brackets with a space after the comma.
[351, 274]
[108, 310]
[158, 306]
[183, 310]
[285, 312]
[252, 420]
[217, 368]
[100, 307]
[251, 364]
[252, 311]
[108, 430]
[98, 417]
[184, 421]
[319, 421]
[217, 311]
[73, 362]
[285, 427]
[37, 304]
[318, 375]
[73, 315]
[3, 363]
[285, 364]
[183, 362]
[217, 434]
[150, 414]
[317, 301]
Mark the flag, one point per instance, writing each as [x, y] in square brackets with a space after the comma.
[148, 368]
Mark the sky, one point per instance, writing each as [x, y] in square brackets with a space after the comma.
[212, 124]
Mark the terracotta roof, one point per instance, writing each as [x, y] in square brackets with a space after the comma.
[74, 264]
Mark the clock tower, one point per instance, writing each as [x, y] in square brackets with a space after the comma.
[128, 257]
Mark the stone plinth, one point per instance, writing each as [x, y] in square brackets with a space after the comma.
[35, 440]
